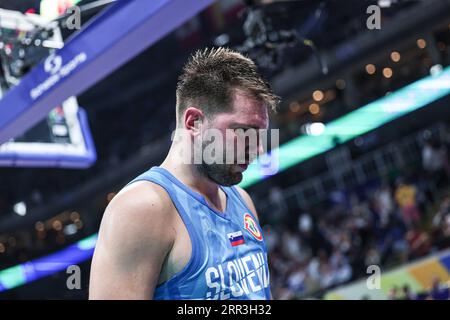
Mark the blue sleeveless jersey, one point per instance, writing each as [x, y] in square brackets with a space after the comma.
[229, 256]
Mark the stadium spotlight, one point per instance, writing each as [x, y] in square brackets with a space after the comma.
[313, 129]
[436, 70]
[20, 208]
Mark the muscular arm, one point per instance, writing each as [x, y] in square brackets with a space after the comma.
[135, 237]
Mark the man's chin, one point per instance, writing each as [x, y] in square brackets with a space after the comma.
[239, 178]
[226, 176]
[234, 179]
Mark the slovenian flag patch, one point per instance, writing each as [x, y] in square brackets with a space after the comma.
[236, 238]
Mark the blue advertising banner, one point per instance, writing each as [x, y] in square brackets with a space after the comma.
[117, 35]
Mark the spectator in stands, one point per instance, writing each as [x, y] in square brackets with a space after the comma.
[439, 290]
[291, 246]
[393, 293]
[405, 195]
[279, 208]
[393, 244]
[435, 160]
[433, 155]
[297, 279]
[419, 242]
[441, 225]
[305, 223]
[407, 293]
[372, 257]
[316, 269]
[384, 203]
[340, 267]
[327, 277]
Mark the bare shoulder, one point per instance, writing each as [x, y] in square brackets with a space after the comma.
[248, 200]
[135, 236]
[144, 195]
[141, 211]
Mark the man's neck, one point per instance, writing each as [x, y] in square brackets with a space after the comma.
[190, 176]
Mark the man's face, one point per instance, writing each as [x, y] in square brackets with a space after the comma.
[240, 144]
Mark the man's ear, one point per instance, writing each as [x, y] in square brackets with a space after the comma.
[193, 119]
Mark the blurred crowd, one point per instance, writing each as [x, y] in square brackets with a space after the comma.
[385, 223]
[438, 291]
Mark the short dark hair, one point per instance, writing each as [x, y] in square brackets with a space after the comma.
[211, 76]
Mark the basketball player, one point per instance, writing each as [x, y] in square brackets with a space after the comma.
[183, 230]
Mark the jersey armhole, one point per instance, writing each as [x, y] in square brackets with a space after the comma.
[244, 203]
[193, 262]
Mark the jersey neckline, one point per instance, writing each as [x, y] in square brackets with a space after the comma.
[199, 197]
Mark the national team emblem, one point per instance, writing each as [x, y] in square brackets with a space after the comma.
[252, 227]
[236, 238]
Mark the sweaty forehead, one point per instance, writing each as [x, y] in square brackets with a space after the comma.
[246, 111]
